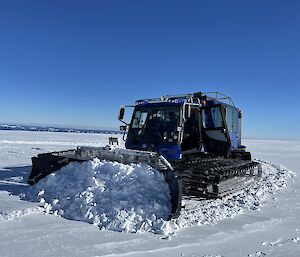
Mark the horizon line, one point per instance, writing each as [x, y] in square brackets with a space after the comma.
[60, 126]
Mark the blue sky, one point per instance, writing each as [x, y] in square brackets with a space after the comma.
[75, 62]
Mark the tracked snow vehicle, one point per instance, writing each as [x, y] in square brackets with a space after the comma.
[193, 139]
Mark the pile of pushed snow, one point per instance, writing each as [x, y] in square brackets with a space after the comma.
[129, 198]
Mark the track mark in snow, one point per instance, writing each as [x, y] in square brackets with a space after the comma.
[8, 216]
[14, 181]
[282, 241]
[257, 254]
[198, 213]
[209, 255]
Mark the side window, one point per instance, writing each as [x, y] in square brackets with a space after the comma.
[139, 119]
[235, 121]
[232, 118]
[212, 118]
[229, 118]
[217, 117]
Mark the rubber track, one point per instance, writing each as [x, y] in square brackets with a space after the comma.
[215, 177]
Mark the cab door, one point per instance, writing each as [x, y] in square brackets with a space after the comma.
[191, 131]
[214, 130]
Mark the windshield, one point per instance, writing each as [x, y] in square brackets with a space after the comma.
[154, 125]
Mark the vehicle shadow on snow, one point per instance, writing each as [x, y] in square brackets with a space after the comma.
[14, 179]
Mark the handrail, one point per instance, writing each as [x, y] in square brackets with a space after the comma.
[220, 96]
[214, 95]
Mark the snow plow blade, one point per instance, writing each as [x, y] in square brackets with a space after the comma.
[47, 163]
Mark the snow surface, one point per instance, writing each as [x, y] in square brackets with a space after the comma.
[260, 220]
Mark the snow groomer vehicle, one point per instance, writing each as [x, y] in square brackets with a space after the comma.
[193, 139]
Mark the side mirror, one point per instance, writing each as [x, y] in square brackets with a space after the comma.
[240, 114]
[121, 113]
[123, 128]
